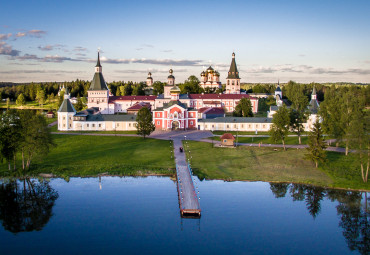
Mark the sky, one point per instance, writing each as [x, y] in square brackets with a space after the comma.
[304, 41]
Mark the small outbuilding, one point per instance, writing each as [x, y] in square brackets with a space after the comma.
[227, 140]
[50, 115]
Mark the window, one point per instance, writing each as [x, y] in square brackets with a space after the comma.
[242, 126]
[234, 125]
[64, 125]
[70, 125]
[249, 126]
[205, 126]
[64, 117]
[129, 124]
[225, 140]
[99, 125]
[264, 126]
[232, 83]
[213, 126]
[227, 126]
[191, 122]
[117, 124]
[87, 125]
[93, 125]
[228, 82]
[158, 123]
[158, 114]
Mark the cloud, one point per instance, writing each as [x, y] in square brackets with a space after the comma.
[6, 49]
[167, 51]
[21, 34]
[36, 33]
[37, 71]
[80, 54]
[139, 48]
[51, 47]
[150, 70]
[147, 45]
[47, 58]
[79, 48]
[301, 55]
[306, 69]
[4, 37]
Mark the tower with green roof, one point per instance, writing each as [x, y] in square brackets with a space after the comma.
[98, 93]
[233, 80]
[66, 112]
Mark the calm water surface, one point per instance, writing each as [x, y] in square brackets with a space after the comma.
[141, 216]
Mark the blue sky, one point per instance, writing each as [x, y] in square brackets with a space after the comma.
[304, 41]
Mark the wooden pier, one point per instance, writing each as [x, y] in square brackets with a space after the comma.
[188, 199]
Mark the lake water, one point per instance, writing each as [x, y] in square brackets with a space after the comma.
[141, 216]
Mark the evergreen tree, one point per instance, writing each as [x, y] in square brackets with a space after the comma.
[158, 88]
[243, 108]
[144, 121]
[316, 145]
[79, 105]
[280, 125]
[21, 100]
[40, 96]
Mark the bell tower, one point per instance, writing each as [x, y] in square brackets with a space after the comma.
[233, 80]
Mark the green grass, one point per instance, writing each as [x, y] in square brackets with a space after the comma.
[266, 140]
[28, 105]
[92, 155]
[266, 164]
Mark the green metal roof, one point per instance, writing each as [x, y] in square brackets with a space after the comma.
[111, 117]
[98, 82]
[233, 71]
[66, 106]
[313, 106]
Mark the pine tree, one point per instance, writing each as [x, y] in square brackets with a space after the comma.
[21, 100]
[144, 121]
[280, 125]
[316, 145]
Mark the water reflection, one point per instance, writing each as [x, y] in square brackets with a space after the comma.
[26, 205]
[354, 215]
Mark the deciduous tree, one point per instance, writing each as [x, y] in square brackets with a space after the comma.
[243, 108]
[280, 125]
[144, 121]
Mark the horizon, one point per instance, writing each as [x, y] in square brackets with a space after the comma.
[286, 40]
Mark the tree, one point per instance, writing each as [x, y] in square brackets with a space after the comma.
[40, 96]
[9, 136]
[79, 105]
[359, 135]
[35, 137]
[191, 86]
[144, 121]
[158, 88]
[316, 145]
[243, 108]
[280, 125]
[21, 100]
[296, 122]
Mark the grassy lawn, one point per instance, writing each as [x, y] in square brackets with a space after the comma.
[92, 155]
[28, 105]
[265, 164]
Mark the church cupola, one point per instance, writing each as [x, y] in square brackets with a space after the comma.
[278, 91]
[149, 80]
[171, 78]
[98, 67]
[175, 93]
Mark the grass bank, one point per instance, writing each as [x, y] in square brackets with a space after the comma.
[265, 164]
[93, 155]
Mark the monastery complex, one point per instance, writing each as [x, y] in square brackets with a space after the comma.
[171, 110]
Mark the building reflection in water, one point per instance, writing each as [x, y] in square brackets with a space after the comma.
[26, 205]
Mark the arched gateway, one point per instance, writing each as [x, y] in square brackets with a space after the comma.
[175, 125]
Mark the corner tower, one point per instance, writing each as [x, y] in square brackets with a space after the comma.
[233, 80]
[98, 93]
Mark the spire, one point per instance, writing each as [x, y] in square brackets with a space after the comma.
[314, 90]
[233, 71]
[98, 62]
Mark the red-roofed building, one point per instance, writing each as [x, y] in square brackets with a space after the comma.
[136, 107]
[227, 139]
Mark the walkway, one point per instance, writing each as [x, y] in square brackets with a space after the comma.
[188, 199]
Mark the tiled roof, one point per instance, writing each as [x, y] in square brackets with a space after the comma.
[227, 136]
[203, 109]
[238, 120]
[129, 98]
[220, 96]
[138, 106]
[215, 110]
